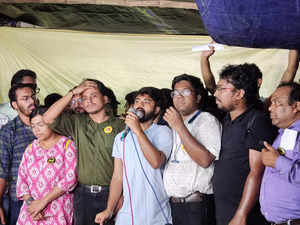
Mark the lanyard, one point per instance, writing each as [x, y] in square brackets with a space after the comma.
[174, 160]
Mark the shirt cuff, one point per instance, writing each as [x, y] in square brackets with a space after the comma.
[283, 164]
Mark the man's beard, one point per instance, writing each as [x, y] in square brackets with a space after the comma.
[147, 117]
[25, 111]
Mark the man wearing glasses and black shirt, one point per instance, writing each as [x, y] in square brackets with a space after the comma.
[239, 170]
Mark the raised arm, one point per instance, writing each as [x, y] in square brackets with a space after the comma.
[292, 67]
[207, 75]
[154, 156]
[197, 151]
[58, 107]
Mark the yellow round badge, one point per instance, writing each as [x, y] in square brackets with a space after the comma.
[182, 147]
[108, 129]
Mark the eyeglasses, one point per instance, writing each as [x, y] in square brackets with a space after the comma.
[74, 101]
[281, 101]
[223, 88]
[183, 93]
[27, 98]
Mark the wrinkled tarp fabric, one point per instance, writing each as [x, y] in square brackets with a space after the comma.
[62, 59]
[108, 18]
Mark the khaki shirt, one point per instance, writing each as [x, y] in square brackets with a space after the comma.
[94, 142]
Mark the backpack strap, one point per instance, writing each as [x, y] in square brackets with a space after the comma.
[250, 123]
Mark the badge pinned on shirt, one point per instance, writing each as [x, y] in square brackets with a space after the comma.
[182, 147]
[108, 129]
[51, 160]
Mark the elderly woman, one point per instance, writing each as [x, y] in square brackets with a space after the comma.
[46, 176]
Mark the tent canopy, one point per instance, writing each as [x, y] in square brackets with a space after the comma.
[124, 62]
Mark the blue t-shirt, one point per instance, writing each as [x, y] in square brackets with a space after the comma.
[147, 209]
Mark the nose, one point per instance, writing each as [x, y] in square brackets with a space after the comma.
[32, 100]
[35, 129]
[88, 99]
[139, 104]
[271, 107]
[215, 94]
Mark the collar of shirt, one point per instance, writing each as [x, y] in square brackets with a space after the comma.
[240, 117]
[19, 123]
[294, 126]
[192, 117]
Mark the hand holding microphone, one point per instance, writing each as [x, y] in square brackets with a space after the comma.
[132, 121]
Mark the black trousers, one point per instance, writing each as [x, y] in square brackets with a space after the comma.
[194, 213]
[87, 205]
[254, 218]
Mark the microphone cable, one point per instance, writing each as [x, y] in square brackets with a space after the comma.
[125, 171]
[152, 188]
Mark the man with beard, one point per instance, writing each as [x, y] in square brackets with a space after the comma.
[20, 77]
[93, 133]
[139, 158]
[15, 136]
[238, 172]
[196, 145]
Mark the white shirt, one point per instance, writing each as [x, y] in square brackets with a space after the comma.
[183, 176]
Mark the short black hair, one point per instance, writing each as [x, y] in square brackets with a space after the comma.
[40, 110]
[295, 91]
[101, 87]
[130, 97]
[197, 86]
[153, 92]
[51, 99]
[12, 91]
[112, 100]
[19, 76]
[243, 76]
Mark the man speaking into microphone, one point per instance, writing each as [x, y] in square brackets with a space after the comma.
[138, 160]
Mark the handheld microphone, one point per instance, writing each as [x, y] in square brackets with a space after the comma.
[139, 114]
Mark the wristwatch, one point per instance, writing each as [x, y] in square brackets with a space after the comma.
[29, 200]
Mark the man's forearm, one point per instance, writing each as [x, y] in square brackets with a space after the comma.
[250, 194]
[195, 150]
[115, 192]
[291, 70]
[207, 75]
[153, 155]
[2, 189]
[57, 108]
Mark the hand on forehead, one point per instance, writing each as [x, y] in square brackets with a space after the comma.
[89, 83]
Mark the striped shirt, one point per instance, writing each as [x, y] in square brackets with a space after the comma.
[15, 136]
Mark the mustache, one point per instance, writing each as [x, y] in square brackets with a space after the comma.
[217, 99]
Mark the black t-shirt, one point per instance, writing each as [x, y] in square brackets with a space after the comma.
[233, 167]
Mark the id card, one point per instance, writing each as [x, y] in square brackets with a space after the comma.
[288, 139]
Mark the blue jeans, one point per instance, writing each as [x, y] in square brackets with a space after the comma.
[11, 209]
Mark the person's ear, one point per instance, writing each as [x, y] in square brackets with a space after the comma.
[106, 100]
[157, 110]
[297, 106]
[241, 93]
[198, 99]
[259, 82]
[14, 105]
